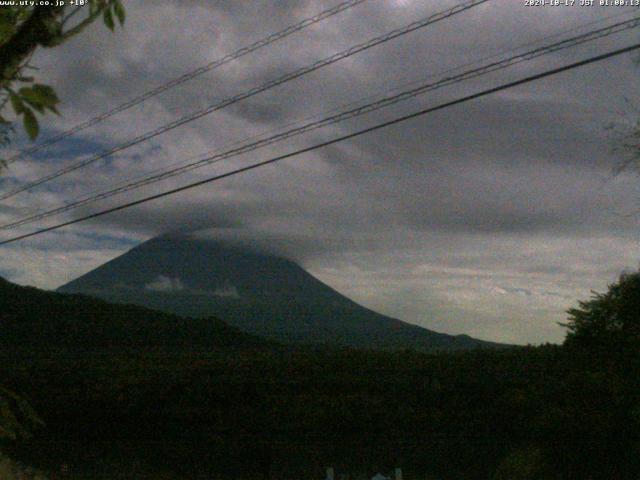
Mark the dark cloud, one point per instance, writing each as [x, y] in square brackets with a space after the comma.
[489, 218]
[260, 112]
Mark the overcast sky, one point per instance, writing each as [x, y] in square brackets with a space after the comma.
[490, 218]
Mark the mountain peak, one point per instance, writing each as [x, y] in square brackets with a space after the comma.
[259, 293]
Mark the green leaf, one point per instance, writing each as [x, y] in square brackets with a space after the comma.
[119, 11]
[31, 124]
[27, 93]
[6, 31]
[16, 103]
[36, 106]
[108, 19]
[32, 98]
[40, 97]
[46, 94]
[53, 109]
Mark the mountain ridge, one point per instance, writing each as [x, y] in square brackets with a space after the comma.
[261, 294]
[37, 320]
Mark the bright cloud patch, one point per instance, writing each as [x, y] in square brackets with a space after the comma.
[228, 291]
[165, 284]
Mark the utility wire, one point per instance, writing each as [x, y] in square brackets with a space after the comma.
[254, 91]
[342, 138]
[274, 37]
[300, 121]
[342, 116]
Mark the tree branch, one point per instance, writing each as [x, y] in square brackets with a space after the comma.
[79, 27]
[36, 30]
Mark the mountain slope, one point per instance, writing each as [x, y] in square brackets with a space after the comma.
[38, 320]
[260, 294]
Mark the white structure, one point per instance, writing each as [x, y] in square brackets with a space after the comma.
[330, 475]
[379, 476]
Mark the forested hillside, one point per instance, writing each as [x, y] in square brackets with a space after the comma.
[38, 320]
[260, 411]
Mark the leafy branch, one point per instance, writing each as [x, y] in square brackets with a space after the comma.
[22, 30]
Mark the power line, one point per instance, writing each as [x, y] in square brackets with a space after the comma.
[300, 121]
[342, 116]
[317, 146]
[589, 36]
[274, 37]
[254, 91]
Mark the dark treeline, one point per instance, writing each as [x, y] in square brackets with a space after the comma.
[254, 410]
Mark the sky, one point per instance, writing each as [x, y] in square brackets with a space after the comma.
[490, 218]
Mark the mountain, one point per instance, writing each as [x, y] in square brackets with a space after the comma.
[261, 294]
[37, 320]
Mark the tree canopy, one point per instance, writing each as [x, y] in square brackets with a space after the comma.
[610, 320]
[25, 28]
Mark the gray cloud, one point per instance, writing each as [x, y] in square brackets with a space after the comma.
[489, 218]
